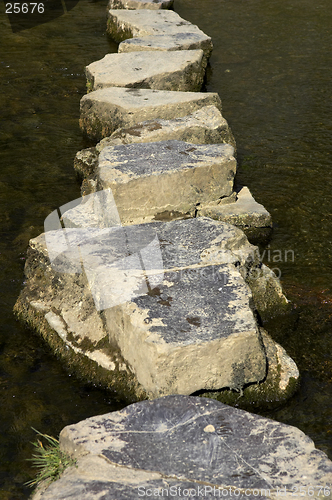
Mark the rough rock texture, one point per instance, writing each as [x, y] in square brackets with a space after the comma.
[156, 178]
[136, 345]
[196, 446]
[140, 4]
[179, 71]
[168, 335]
[245, 212]
[86, 162]
[178, 41]
[281, 382]
[123, 24]
[104, 111]
[205, 126]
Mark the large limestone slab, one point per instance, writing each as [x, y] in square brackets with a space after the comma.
[104, 111]
[179, 71]
[123, 24]
[168, 335]
[178, 41]
[181, 447]
[140, 4]
[147, 293]
[205, 126]
[157, 178]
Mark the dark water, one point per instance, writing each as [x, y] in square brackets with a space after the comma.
[272, 68]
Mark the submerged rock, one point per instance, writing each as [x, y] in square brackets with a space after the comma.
[180, 446]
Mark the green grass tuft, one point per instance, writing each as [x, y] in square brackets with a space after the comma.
[49, 459]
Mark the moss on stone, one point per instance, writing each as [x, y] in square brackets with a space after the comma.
[265, 395]
[123, 384]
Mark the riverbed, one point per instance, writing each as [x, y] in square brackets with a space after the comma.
[271, 66]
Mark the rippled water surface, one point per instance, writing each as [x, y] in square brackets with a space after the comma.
[271, 66]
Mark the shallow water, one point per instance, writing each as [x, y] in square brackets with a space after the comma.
[271, 67]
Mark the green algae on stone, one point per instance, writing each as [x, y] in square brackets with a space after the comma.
[280, 383]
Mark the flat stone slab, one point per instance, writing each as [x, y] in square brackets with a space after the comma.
[171, 331]
[123, 24]
[178, 71]
[178, 41]
[161, 308]
[181, 447]
[205, 126]
[104, 111]
[140, 4]
[156, 178]
[244, 212]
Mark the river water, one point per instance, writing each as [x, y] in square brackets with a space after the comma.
[271, 66]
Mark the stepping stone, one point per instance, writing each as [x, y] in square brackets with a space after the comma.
[104, 111]
[244, 212]
[140, 4]
[123, 24]
[157, 178]
[162, 307]
[179, 71]
[188, 447]
[205, 126]
[179, 41]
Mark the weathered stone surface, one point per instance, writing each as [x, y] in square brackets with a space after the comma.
[168, 335]
[205, 126]
[245, 212]
[104, 111]
[178, 41]
[179, 71]
[140, 4]
[123, 24]
[196, 446]
[202, 305]
[280, 384]
[152, 179]
[86, 161]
